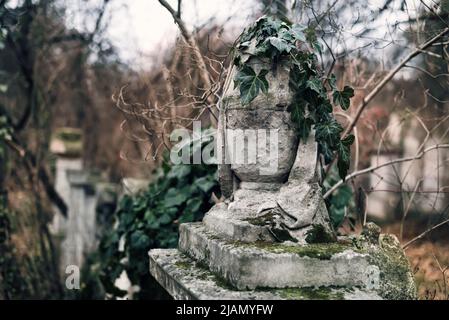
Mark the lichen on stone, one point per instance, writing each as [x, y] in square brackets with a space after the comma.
[262, 220]
[321, 251]
[183, 265]
[396, 278]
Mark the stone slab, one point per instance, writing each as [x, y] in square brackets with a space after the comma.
[248, 266]
[371, 263]
[184, 279]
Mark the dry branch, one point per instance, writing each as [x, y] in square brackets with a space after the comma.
[190, 40]
[389, 163]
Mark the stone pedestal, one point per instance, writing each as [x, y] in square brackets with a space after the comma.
[208, 266]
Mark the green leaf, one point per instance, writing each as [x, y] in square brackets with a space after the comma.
[194, 204]
[341, 197]
[317, 46]
[325, 107]
[333, 82]
[174, 197]
[3, 87]
[326, 151]
[337, 215]
[344, 159]
[139, 240]
[280, 44]
[329, 132]
[316, 85]
[297, 79]
[179, 171]
[297, 30]
[349, 140]
[303, 125]
[343, 97]
[165, 219]
[205, 184]
[250, 83]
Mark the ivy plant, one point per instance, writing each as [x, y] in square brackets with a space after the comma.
[150, 219]
[276, 41]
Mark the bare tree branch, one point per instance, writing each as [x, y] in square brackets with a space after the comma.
[388, 77]
[389, 163]
[204, 74]
[425, 233]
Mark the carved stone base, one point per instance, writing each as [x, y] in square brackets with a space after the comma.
[353, 265]
[184, 279]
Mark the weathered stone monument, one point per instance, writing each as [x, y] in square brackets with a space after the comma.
[83, 193]
[272, 237]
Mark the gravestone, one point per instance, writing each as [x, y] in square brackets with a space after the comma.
[83, 194]
[272, 238]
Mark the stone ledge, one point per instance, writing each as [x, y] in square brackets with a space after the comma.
[248, 266]
[186, 280]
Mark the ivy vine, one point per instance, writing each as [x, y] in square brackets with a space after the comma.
[311, 109]
[150, 219]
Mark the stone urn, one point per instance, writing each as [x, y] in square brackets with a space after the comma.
[271, 238]
[268, 176]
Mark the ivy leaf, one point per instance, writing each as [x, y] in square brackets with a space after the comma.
[325, 107]
[343, 97]
[251, 83]
[333, 82]
[139, 240]
[297, 79]
[344, 159]
[280, 44]
[329, 132]
[341, 196]
[317, 46]
[179, 171]
[174, 198]
[316, 85]
[303, 124]
[326, 151]
[205, 184]
[349, 140]
[297, 31]
[165, 219]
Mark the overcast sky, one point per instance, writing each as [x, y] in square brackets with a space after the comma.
[142, 29]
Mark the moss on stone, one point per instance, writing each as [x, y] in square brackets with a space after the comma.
[183, 265]
[396, 277]
[262, 220]
[322, 251]
[309, 293]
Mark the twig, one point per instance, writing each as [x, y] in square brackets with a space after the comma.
[388, 77]
[388, 163]
[424, 233]
[204, 74]
[367, 99]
